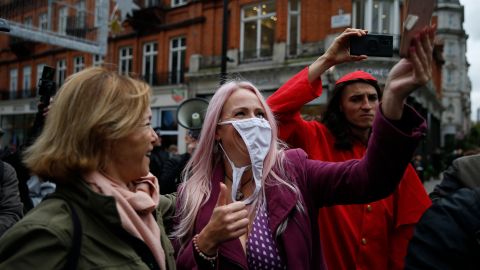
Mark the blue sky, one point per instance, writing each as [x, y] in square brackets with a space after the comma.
[471, 23]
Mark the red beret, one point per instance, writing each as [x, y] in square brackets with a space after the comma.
[356, 75]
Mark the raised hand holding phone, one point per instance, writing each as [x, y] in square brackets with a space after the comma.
[409, 74]
[418, 16]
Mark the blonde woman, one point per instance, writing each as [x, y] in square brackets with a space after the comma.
[96, 147]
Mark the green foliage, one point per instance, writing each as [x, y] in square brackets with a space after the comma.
[472, 140]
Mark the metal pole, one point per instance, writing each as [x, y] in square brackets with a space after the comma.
[223, 71]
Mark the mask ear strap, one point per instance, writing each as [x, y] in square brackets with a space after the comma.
[236, 178]
[236, 174]
[225, 153]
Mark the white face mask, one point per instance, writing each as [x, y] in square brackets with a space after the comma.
[256, 133]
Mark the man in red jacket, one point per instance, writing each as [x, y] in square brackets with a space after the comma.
[363, 236]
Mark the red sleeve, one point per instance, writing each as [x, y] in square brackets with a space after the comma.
[398, 248]
[411, 202]
[411, 199]
[287, 101]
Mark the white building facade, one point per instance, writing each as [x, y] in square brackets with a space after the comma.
[456, 85]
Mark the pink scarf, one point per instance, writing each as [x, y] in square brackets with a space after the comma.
[135, 204]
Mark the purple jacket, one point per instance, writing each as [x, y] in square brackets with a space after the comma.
[390, 149]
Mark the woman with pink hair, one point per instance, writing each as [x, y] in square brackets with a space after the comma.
[248, 203]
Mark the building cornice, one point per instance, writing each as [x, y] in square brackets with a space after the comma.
[155, 28]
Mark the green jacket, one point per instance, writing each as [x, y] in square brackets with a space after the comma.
[43, 238]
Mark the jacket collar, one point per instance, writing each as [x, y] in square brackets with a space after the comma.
[100, 206]
[280, 202]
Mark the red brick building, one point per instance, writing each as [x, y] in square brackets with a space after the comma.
[176, 46]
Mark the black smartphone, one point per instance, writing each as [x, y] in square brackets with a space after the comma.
[372, 45]
[48, 73]
[47, 87]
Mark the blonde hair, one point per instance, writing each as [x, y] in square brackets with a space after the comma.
[93, 108]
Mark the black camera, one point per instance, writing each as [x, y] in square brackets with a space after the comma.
[372, 45]
[46, 86]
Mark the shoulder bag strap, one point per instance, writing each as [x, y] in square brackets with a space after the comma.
[74, 253]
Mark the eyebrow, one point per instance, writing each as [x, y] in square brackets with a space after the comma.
[246, 108]
[362, 94]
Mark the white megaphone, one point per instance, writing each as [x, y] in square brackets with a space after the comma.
[191, 113]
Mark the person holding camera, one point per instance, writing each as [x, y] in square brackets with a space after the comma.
[373, 235]
[248, 203]
[158, 157]
[106, 212]
[171, 175]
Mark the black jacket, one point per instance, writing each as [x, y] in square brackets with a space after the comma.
[448, 234]
[171, 175]
[11, 208]
[158, 158]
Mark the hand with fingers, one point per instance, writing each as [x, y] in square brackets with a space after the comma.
[228, 221]
[409, 74]
[339, 50]
[337, 53]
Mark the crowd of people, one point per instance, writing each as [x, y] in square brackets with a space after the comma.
[258, 188]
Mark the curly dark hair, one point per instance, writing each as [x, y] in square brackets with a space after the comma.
[335, 120]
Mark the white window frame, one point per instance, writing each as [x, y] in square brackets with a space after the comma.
[150, 52]
[125, 60]
[177, 3]
[13, 82]
[78, 63]
[394, 27]
[151, 3]
[62, 20]
[97, 60]
[297, 14]
[43, 21]
[175, 71]
[157, 119]
[449, 76]
[98, 9]
[258, 19]
[61, 71]
[81, 14]
[27, 80]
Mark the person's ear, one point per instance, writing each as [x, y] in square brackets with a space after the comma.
[217, 136]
